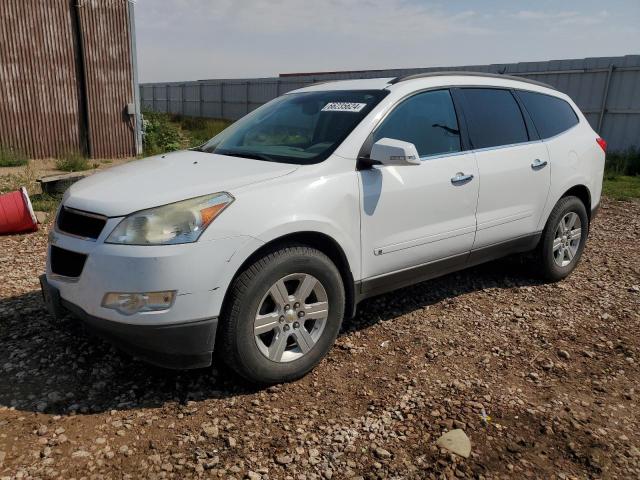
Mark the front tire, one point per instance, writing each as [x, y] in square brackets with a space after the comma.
[283, 315]
[563, 238]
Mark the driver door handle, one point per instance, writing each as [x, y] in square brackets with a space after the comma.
[538, 164]
[461, 178]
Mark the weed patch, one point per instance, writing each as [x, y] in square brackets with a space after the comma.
[10, 157]
[73, 162]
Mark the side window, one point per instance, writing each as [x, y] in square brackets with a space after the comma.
[494, 117]
[551, 115]
[428, 120]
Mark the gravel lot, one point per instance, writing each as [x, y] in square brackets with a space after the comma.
[543, 378]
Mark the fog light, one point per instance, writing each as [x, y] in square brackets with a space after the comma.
[130, 303]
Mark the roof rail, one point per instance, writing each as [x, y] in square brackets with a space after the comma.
[468, 74]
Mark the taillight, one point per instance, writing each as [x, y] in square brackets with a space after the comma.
[603, 143]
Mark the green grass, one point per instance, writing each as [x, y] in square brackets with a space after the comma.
[626, 162]
[10, 157]
[45, 203]
[199, 130]
[160, 134]
[621, 187]
[622, 175]
[73, 162]
[166, 133]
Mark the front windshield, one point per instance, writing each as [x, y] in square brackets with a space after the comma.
[300, 128]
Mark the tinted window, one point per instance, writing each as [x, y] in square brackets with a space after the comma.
[551, 115]
[494, 118]
[428, 120]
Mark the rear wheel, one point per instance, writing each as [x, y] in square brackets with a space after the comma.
[283, 315]
[563, 238]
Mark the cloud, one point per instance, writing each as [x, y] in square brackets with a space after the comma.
[195, 39]
[562, 18]
[541, 15]
[377, 18]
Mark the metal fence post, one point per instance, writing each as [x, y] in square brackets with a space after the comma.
[153, 97]
[182, 99]
[222, 100]
[605, 94]
[246, 93]
[200, 99]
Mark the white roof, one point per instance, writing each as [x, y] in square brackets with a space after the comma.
[361, 84]
[431, 80]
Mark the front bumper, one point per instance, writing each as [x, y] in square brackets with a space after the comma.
[177, 346]
[199, 272]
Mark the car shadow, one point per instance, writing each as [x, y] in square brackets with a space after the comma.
[59, 368]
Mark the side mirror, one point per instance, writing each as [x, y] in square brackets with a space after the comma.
[388, 151]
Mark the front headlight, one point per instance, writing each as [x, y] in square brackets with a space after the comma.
[180, 222]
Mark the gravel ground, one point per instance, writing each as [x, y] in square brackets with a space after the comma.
[543, 378]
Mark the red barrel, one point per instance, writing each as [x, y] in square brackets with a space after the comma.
[16, 213]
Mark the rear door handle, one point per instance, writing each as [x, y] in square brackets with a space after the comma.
[538, 164]
[461, 178]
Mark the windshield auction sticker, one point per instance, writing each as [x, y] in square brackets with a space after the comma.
[343, 107]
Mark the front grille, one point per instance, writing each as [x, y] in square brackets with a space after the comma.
[66, 263]
[80, 224]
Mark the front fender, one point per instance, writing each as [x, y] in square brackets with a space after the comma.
[318, 202]
[282, 230]
[321, 226]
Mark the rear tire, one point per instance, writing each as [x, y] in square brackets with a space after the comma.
[563, 238]
[282, 316]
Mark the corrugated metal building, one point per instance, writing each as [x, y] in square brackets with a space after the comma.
[607, 90]
[68, 80]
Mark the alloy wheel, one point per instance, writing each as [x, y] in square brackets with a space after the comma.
[567, 239]
[291, 317]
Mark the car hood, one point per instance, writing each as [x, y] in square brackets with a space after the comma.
[166, 179]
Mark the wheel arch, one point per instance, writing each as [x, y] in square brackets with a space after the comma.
[318, 240]
[582, 192]
[576, 189]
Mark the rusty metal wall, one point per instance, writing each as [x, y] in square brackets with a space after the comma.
[38, 116]
[66, 77]
[106, 48]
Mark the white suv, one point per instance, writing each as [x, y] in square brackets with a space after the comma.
[261, 241]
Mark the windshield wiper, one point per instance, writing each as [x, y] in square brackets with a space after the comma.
[254, 156]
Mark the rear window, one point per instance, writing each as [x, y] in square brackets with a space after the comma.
[551, 115]
[494, 118]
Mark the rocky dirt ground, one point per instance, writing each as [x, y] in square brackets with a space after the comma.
[543, 378]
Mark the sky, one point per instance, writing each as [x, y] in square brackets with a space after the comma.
[203, 39]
